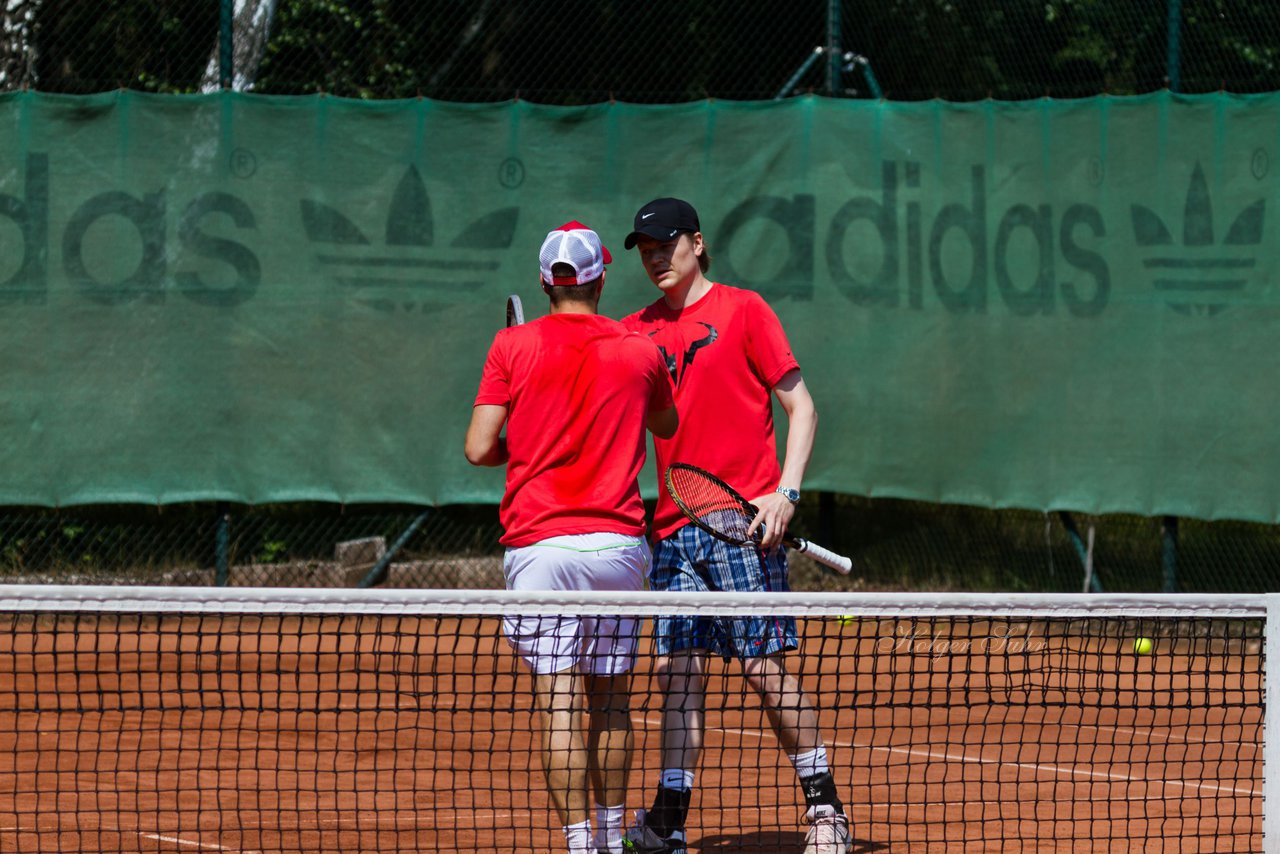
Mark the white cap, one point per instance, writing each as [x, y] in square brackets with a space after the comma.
[579, 247]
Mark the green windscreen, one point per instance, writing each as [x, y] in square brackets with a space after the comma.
[1049, 304]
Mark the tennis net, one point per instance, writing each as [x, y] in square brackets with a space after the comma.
[242, 720]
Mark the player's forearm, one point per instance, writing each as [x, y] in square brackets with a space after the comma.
[802, 427]
[802, 431]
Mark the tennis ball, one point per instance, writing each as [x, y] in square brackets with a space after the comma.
[847, 619]
[1143, 646]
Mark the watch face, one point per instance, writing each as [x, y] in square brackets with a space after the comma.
[792, 495]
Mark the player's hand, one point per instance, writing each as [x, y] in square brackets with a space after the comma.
[775, 514]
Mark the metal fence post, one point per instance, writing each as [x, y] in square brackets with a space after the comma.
[222, 545]
[1169, 552]
[1174, 60]
[834, 59]
[378, 574]
[827, 516]
[1083, 550]
[226, 62]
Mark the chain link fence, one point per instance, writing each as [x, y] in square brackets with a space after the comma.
[574, 52]
[586, 51]
[896, 545]
[289, 545]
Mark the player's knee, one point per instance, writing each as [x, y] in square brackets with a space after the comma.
[681, 682]
[768, 677]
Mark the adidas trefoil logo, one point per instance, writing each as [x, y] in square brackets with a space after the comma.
[401, 274]
[1199, 277]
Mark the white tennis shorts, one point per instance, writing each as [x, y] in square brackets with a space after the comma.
[595, 645]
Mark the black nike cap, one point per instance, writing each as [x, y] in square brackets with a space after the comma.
[663, 219]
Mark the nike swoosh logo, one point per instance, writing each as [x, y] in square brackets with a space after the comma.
[645, 216]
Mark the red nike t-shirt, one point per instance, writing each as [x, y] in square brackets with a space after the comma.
[578, 388]
[725, 354]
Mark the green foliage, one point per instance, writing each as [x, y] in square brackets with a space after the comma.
[359, 48]
[98, 45]
[272, 551]
[587, 51]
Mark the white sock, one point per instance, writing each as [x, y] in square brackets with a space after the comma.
[609, 828]
[578, 836]
[677, 778]
[810, 764]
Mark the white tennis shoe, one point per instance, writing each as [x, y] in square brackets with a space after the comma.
[828, 831]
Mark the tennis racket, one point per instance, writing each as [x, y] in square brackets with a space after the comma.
[717, 508]
[515, 311]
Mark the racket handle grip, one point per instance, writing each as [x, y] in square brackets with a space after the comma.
[839, 563]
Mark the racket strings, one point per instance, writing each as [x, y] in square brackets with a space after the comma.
[732, 522]
[710, 502]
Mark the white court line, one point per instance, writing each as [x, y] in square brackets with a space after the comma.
[980, 760]
[1165, 736]
[357, 823]
[362, 823]
[189, 843]
[1053, 769]
[176, 840]
[380, 824]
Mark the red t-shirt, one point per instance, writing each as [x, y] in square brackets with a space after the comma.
[725, 354]
[577, 388]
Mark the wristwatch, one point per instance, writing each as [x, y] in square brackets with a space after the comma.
[792, 495]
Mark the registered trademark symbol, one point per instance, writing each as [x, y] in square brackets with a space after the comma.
[1095, 172]
[1260, 163]
[511, 173]
[243, 163]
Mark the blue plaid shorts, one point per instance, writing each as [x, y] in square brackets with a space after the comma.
[691, 560]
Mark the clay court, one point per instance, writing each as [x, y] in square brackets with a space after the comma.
[378, 734]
